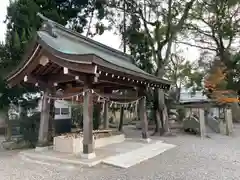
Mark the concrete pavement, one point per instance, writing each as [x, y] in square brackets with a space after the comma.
[212, 158]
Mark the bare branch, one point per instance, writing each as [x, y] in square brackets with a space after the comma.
[197, 46]
[205, 33]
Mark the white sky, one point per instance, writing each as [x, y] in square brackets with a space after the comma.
[108, 38]
[3, 12]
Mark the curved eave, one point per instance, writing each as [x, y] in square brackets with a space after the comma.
[33, 50]
[38, 45]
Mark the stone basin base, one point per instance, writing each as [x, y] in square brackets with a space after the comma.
[74, 144]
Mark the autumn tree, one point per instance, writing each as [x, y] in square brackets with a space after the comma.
[214, 27]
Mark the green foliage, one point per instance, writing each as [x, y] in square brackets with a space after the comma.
[29, 127]
[152, 25]
[77, 115]
[140, 48]
[96, 116]
[181, 113]
[22, 20]
[22, 23]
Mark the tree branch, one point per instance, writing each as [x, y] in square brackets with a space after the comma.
[180, 24]
[215, 39]
[197, 46]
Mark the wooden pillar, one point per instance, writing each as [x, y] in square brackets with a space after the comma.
[88, 144]
[120, 126]
[105, 116]
[202, 123]
[44, 122]
[229, 123]
[51, 126]
[143, 118]
[9, 131]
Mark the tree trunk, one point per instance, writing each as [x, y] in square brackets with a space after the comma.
[5, 122]
[163, 109]
[157, 116]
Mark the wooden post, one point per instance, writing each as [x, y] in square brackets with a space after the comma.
[9, 131]
[44, 122]
[88, 149]
[51, 126]
[202, 123]
[229, 124]
[143, 118]
[120, 126]
[105, 115]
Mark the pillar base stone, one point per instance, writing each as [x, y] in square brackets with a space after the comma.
[41, 149]
[147, 140]
[88, 156]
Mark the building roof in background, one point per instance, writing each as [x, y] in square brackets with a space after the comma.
[188, 97]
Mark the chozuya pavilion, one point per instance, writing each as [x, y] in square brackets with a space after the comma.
[61, 58]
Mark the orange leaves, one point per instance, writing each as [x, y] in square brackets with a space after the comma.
[214, 83]
[215, 77]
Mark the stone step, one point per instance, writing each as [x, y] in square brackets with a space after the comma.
[42, 158]
[134, 157]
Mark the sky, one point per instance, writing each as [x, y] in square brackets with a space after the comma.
[3, 12]
[108, 38]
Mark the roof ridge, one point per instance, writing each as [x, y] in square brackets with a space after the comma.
[78, 35]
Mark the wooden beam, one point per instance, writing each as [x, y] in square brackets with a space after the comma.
[117, 80]
[102, 78]
[110, 86]
[119, 97]
[61, 78]
[32, 79]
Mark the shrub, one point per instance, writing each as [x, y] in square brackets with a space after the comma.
[29, 127]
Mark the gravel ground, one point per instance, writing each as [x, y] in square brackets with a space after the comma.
[217, 157]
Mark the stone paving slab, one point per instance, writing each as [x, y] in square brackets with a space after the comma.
[53, 157]
[136, 156]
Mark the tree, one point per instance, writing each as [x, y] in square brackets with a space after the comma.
[153, 27]
[178, 72]
[23, 22]
[214, 26]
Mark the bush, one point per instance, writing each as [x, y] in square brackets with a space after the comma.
[181, 113]
[29, 127]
